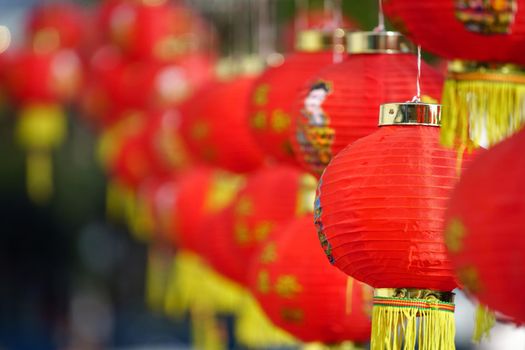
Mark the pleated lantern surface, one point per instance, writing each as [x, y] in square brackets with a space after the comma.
[339, 105]
[307, 297]
[270, 103]
[272, 195]
[484, 93]
[215, 126]
[41, 123]
[484, 228]
[379, 215]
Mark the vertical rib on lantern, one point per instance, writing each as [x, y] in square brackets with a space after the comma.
[379, 215]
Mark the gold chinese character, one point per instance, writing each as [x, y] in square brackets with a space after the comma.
[287, 286]
[280, 121]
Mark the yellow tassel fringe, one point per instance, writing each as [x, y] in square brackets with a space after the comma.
[485, 320]
[481, 112]
[400, 328]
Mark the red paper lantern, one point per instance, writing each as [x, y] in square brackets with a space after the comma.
[59, 76]
[156, 31]
[272, 196]
[484, 227]
[379, 214]
[58, 25]
[215, 126]
[152, 150]
[201, 193]
[483, 93]
[339, 106]
[460, 29]
[41, 121]
[306, 296]
[271, 106]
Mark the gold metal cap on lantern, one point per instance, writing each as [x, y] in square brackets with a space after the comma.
[410, 113]
[378, 42]
[313, 40]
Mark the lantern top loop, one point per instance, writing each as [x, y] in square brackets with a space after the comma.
[386, 42]
[410, 113]
[314, 40]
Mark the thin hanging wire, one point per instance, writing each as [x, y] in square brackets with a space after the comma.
[417, 98]
[301, 19]
[381, 18]
[338, 32]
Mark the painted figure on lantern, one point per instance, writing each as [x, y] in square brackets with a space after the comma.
[314, 134]
[486, 16]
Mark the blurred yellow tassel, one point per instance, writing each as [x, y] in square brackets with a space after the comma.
[482, 106]
[209, 288]
[206, 333]
[347, 345]
[485, 320]
[115, 208]
[253, 329]
[40, 129]
[157, 271]
[139, 223]
[39, 177]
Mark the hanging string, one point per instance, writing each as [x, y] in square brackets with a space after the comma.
[417, 98]
[381, 18]
[301, 22]
[338, 32]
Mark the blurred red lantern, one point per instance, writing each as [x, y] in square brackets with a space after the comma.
[270, 104]
[215, 126]
[340, 104]
[58, 25]
[484, 227]
[156, 31]
[41, 121]
[272, 196]
[379, 215]
[150, 151]
[461, 29]
[306, 296]
[483, 93]
[201, 193]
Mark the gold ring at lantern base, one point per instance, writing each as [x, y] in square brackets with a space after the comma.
[316, 40]
[466, 70]
[410, 113]
[424, 295]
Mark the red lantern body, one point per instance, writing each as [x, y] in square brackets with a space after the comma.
[272, 196]
[215, 126]
[340, 104]
[159, 32]
[145, 152]
[201, 193]
[59, 76]
[306, 296]
[456, 29]
[63, 23]
[271, 105]
[380, 209]
[484, 227]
